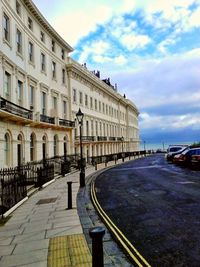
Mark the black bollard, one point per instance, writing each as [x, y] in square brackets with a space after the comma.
[69, 195]
[97, 234]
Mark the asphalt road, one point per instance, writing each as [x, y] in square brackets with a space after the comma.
[157, 207]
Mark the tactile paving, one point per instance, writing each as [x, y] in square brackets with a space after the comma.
[69, 251]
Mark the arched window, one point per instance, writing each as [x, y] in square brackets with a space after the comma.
[65, 146]
[32, 147]
[7, 149]
[19, 149]
[44, 147]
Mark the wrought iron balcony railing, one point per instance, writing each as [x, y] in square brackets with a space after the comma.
[15, 109]
[112, 138]
[66, 123]
[86, 138]
[45, 118]
[102, 138]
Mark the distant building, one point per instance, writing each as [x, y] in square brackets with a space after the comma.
[43, 88]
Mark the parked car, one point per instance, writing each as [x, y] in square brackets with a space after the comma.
[195, 161]
[185, 158]
[174, 150]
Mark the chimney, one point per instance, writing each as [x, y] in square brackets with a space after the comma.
[98, 73]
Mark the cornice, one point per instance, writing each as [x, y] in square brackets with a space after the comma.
[40, 18]
[79, 72]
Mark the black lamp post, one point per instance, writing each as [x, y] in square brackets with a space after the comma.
[144, 145]
[79, 116]
[122, 148]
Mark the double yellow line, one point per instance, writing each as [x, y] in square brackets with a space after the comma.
[129, 248]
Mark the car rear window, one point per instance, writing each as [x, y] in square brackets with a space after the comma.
[174, 149]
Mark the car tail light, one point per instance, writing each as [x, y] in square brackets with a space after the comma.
[182, 157]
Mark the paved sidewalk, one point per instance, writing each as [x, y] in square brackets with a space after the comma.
[43, 232]
[25, 238]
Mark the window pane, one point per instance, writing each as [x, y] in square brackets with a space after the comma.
[7, 86]
[19, 41]
[6, 149]
[31, 96]
[30, 50]
[20, 92]
[43, 104]
[6, 25]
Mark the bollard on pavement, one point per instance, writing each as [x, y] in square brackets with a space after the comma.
[69, 195]
[97, 234]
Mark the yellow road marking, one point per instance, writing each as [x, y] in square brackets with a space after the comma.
[140, 261]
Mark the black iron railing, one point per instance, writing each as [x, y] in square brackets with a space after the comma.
[15, 109]
[45, 118]
[102, 138]
[14, 181]
[66, 123]
[86, 138]
[12, 188]
[112, 138]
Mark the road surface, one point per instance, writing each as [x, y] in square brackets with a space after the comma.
[157, 207]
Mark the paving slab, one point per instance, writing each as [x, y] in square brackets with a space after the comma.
[6, 250]
[30, 236]
[76, 229]
[28, 246]
[26, 258]
[4, 241]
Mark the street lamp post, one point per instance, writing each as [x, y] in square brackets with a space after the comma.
[144, 145]
[79, 116]
[122, 148]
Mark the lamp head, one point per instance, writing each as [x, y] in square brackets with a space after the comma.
[79, 116]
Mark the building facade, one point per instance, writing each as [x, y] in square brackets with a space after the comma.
[110, 122]
[42, 88]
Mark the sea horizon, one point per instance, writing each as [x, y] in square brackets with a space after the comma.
[162, 145]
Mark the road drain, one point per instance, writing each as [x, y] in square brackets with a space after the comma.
[46, 201]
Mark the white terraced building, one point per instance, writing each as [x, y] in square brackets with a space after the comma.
[42, 89]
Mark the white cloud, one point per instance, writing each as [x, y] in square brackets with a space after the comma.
[171, 82]
[195, 18]
[120, 60]
[101, 59]
[97, 49]
[78, 24]
[133, 40]
[170, 122]
[172, 14]
[75, 19]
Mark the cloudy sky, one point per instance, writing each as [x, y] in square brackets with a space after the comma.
[150, 48]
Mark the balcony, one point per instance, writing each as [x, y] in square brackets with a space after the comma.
[119, 139]
[47, 119]
[86, 138]
[102, 138]
[66, 123]
[112, 138]
[17, 113]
